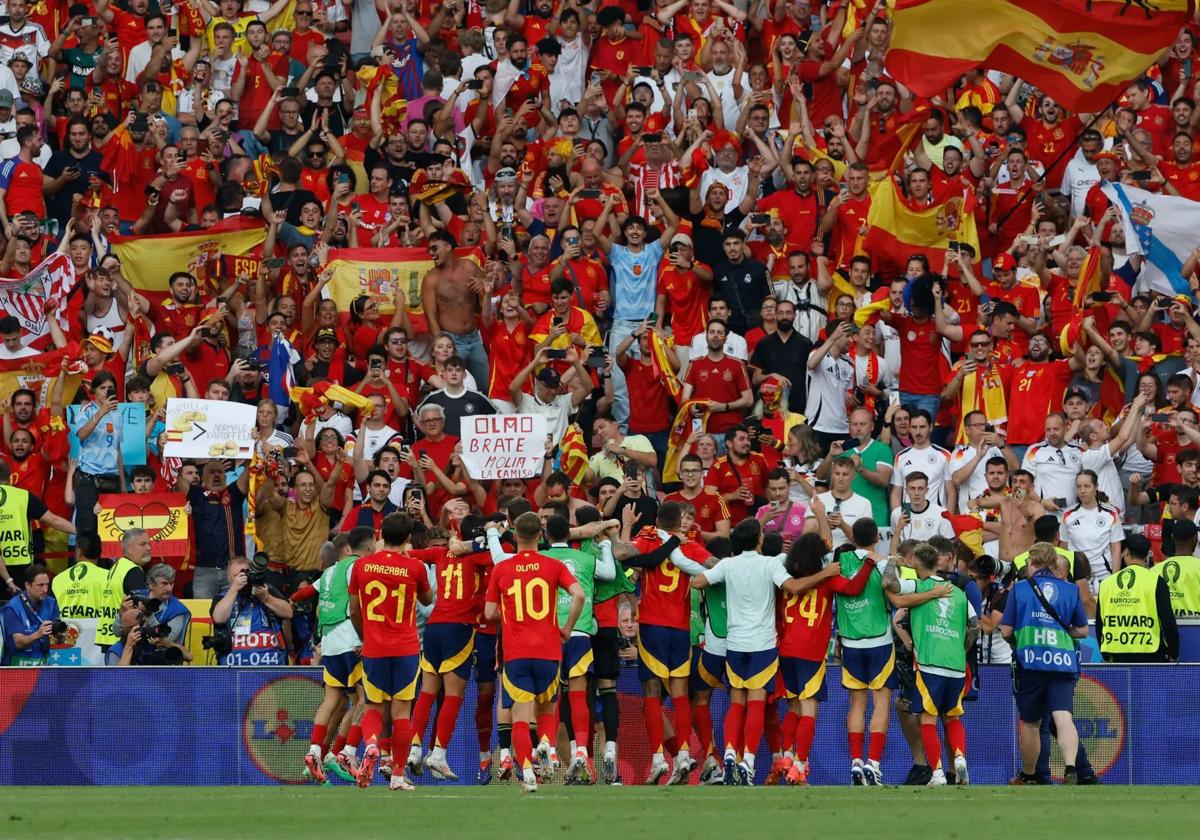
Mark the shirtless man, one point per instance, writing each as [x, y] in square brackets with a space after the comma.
[450, 296]
[1018, 511]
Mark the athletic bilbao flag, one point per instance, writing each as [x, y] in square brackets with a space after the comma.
[1081, 52]
[50, 282]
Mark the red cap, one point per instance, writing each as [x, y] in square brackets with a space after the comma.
[1004, 262]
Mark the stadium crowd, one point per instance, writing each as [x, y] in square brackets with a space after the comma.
[654, 225]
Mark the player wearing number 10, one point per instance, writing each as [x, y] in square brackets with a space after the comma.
[523, 593]
[384, 590]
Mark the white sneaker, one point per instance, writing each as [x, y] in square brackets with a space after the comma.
[683, 767]
[577, 767]
[542, 754]
[529, 782]
[413, 763]
[961, 775]
[872, 774]
[938, 779]
[658, 769]
[400, 782]
[439, 769]
[711, 765]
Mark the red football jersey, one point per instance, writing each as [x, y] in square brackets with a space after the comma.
[666, 596]
[460, 584]
[387, 584]
[710, 507]
[526, 588]
[806, 620]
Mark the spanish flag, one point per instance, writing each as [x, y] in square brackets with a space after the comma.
[662, 366]
[1090, 279]
[574, 461]
[681, 428]
[896, 231]
[1081, 52]
[968, 527]
[162, 515]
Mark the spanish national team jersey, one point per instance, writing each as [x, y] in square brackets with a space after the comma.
[807, 620]
[461, 584]
[387, 584]
[666, 600]
[526, 588]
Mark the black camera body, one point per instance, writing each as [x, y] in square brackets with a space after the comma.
[257, 574]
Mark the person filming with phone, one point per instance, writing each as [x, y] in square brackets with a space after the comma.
[101, 468]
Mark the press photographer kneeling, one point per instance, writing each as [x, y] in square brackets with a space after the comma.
[248, 617]
[153, 623]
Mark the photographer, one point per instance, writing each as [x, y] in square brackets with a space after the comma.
[248, 617]
[990, 575]
[155, 622]
[30, 620]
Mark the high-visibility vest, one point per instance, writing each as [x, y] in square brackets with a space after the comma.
[14, 526]
[1129, 612]
[80, 591]
[1182, 574]
[113, 593]
[1021, 559]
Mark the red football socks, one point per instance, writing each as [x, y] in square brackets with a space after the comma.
[447, 718]
[581, 719]
[372, 725]
[755, 712]
[702, 716]
[420, 715]
[773, 730]
[787, 732]
[956, 736]
[354, 736]
[683, 720]
[735, 718]
[401, 734]
[806, 728]
[933, 746]
[319, 734]
[522, 743]
[875, 750]
[652, 711]
[483, 726]
[856, 745]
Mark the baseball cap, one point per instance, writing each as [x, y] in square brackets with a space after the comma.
[6, 98]
[1004, 262]
[549, 377]
[326, 334]
[1077, 391]
[681, 239]
[19, 56]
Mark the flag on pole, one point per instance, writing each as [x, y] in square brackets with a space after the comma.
[663, 371]
[280, 379]
[1081, 52]
[1162, 228]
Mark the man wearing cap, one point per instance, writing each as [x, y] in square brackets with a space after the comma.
[681, 293]
[1134, 619]
[321, 365]
[547, 397]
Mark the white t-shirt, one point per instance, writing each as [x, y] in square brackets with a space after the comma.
[976, 484]
[723, 83]
[931, 461]
[1093, 532]
[736, 182]
[925, 524]
[1100, 461]
[1054, 469]
[139, 57]
[374, 439]
[750, 582]
[558, 412]
[854, 508]
[828, 383]
[23, 353]
[566, 82]
[735, 345]
[1079, 177]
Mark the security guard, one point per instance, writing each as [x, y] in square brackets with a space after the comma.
[18, 508]
[126, 575]
[1134, 622]
[1181, 571]
[80, 589]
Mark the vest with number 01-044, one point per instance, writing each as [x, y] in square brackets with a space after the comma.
[14, 526]
[1129, 612]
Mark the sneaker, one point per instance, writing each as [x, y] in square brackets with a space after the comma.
[439, 769]
[797, 775]
[938, 779]
[484, 776]
[710, 767]
[961, 775]
[506, 768]
[872, 774]
[529, 782]
[1070, 777]
[366, 770]
[554, 762]
[856, 773]
[730, 774]
[589, 772]
[1026, 779]
[414, 761]
[541, 755]
[745, 775]
[778, 770]
[616, 781]
[315, 771]
[400, 782]
[920, 774]
[385, 766]
[332, 765]
[658, 769]
[1093, 779]
[610, 769]
[348, 765]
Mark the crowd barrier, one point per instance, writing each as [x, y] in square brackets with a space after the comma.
[218, 726]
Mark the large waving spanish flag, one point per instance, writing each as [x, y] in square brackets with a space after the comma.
[1080, 52]
[896, 231]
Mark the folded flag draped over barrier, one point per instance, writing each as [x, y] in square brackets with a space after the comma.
[213, 256]
[52, 280]
[897, 232]
[162, 515]
[1080, 52]
[1162, 228]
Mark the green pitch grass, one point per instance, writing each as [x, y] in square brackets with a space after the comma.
[158, 813]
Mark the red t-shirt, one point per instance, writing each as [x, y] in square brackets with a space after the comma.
[177, 319]
[526, 588]
[649, 410]
[387, 584]
[1172, 338]
[721, 381]
[687, 302]
[1035, 391]
[1027, 300]
[709, 505]
[508, 353]
[22, 183]
[802, 214]
[921, 349]
[1185, 178]
[1160, 125]
[851, 215]
[440, 451]
[460, 584]
[1046, 143]
[666, 595]
[724, 477]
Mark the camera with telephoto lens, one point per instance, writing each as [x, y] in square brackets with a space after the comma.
[987, 566]
[59, 628]
[257, 574]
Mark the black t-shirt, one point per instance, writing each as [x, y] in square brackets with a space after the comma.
[709, 238]
[745, 285]
[787, 358]
[465, 404]
[281, 141]
[339, 117]
[59, 205]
